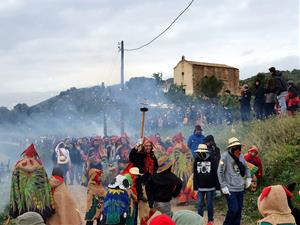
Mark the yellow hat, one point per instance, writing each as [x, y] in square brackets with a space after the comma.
[164, 163]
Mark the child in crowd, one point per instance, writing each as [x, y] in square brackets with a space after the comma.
[253, 158]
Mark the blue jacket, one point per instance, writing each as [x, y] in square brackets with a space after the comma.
[194, 141]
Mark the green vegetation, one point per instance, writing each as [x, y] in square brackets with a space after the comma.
[279, 143]
[209, 86]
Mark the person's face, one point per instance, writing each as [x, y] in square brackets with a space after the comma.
[237, 150]
[198, 132]
[257, 83]
[148, 147]
[253, 153]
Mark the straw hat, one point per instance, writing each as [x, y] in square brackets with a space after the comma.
[202, 148]
[135, 171]
[233, 142]
[164, 163]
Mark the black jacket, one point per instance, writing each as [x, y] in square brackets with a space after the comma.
[161, 187]
[280, 83]
[138, 158]
[205, 174]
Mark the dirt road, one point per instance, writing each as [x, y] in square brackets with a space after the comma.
[80, 196]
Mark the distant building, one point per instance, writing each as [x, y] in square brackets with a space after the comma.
[189, 73]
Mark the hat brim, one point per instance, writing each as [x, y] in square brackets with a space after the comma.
[234, 144]
[165, 167]
[201, 150]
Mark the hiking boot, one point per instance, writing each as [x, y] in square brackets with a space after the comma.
[210, 223]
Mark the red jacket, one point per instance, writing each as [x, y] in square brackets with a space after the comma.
[255, 161]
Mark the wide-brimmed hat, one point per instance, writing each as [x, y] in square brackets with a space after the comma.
[31, 218]
[164, 163]
[135, 171]
[233, 142]
[202, 148]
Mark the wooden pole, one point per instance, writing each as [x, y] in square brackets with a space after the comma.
[143, 110]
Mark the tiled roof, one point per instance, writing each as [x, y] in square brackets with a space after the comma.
[210, 64]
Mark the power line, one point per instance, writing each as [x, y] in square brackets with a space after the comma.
[160, 34]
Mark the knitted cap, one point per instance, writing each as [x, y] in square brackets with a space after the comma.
[30, 218]
[162, 220]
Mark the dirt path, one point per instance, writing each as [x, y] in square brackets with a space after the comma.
[80, 196]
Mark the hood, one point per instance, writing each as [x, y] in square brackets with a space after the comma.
[55, 181]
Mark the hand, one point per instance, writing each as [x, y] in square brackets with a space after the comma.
[225, 191]
[125, 215]
[248, 182]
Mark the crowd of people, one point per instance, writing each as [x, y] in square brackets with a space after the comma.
[134, 183]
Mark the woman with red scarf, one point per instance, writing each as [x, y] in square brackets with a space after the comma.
[142, 156]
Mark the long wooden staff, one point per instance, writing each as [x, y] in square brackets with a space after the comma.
[143, 110]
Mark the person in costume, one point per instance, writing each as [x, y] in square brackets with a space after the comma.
[295, 211]
[273, 206]
[231, 172]
[116, 202]
[142, 156]
[205, 181]
[187, 217]
[30, 188]
[66, 211]
[29, 218]
[253, 158]
[131, 173]
[163, 186]
[95, 194]
[183, 164]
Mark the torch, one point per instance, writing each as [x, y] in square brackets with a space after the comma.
[143, 109]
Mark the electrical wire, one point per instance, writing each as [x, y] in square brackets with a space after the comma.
[160, 34]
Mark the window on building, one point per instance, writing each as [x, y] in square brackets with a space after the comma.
[182, 77]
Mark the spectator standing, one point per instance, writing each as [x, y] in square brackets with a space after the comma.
[231, 172]
[259, 101]
[270, 97]
[292, 98]
[205, 181]
[245, 100]
[196, 139]
[281, 89]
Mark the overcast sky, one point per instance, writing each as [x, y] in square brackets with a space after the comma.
[50, 45]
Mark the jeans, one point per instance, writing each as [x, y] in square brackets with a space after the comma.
[282, 101]
[235, 205]
[209, 203]
[76, 173]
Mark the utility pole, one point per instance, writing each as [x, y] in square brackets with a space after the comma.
[121, 48]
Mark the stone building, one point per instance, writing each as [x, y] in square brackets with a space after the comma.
[189, 73]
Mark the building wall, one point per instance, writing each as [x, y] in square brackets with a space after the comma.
[229, 76]
[183, 75]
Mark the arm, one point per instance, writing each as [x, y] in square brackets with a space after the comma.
[194, 176]
[177, 188]
[221, 171]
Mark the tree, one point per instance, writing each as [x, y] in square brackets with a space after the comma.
[209, 86]
[158, 78]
